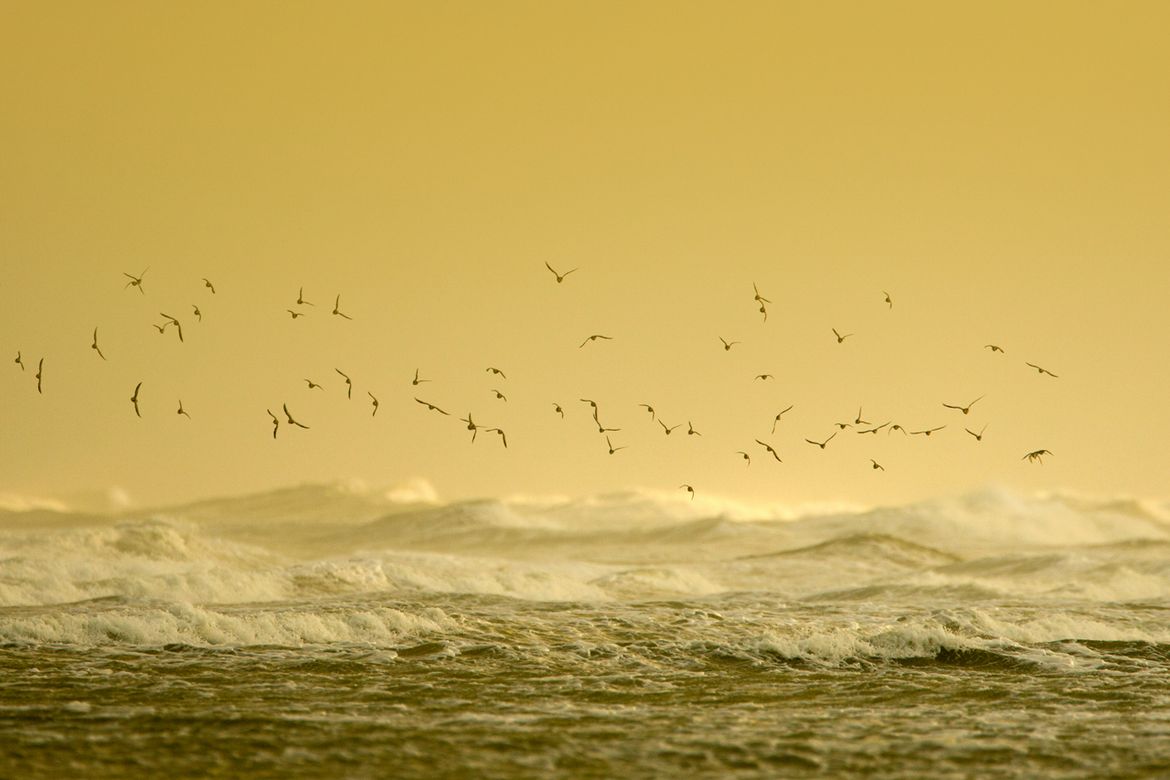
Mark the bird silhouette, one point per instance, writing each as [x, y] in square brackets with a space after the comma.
[889, 300]
[182, 411]
[417, 379]
[471, 426]
[771, 450]
[821, 444]
[875, 429]
[764, 377]
[499, 431]
[978, 436]
[592, 403]
[348, 383]
[650, 409]
[134, 399]
[927, 432]
[560, 277]
[375, 400]
[877, 465]
[558, 410]
[595, 337]
[295, 314]
[1036, 456]
[19, 361]
[964, 409]
[613, 449]
[94, 346]
[745, 456]
[178, 325]
[691, 430]
[669, 428]
[136, 281]
[496, 371]
[727, 345]
[337, 308]
[301, 298]
[198, 314]
[430, 406]
[499, 395]
[291, 421]
[40, 373]
[840, 338]
[777, 418]
[896, 427]
[275, 422]
[1041, 370]
[313, 385]
[757, 297]
[209, 285]
[689, 489]
[993, 347]
[860, 421]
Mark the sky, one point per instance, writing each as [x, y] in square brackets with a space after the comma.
[1001, 169]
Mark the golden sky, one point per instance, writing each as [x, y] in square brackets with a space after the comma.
[1002, 169]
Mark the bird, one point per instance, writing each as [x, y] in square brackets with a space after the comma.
[430, 406]
[667, 428]
[758, 298]
[896, 427]
[198, 314]
[650, 409]
[348, 383]
[496, 371]
[182, 410]
[94, 346]
[499, 395]
[993, 347]
[964, 409]
[337, 308]
[860, 421]
[40, 371]
[840, 338]
[134, 399]
[291, 421]
[821, 444]
[19, 361]
[613, 449]
[500, 431]
[1036, 456]
[295, 314]
[727, 345]
[301, 298]
[777, 418]
[176, 323]
[375, 400]
[691, 430]
[136, 281]
[771, 450]
[471, 426]
[746, 457]
[558, 410]
[843, 425]
[978, 436]
[877, 465]
[1041, 370]
[161, 328]
[928, 431]
[689, 489]
[888, 299]
[417, 379]
[595, 337]
[313, 385]
[876, 429]
[560, 277]
[275, 422]
[764, 377]
[209, 285]
[592, 403]
[764, 311]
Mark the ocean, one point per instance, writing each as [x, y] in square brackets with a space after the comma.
[337, 631]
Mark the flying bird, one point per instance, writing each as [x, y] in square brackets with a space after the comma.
[877, 465]
[40, 371]
[691, 430]
[764, 311]
[746, 457]
[668, 429]
[301, 298]
[613, 449]
[198, 314]
[978, 436]
[591, 402]
[777, 418]
[176, 323]
[993, 347]
[964, 409]
[161, 328]
[727, 345]
[499, 395]
[295, 314]
[876, 429]
[291, 421]
[896, 427]
[1036, 456]
[888, 299]
[496, 371]
[337, 308]
[595, 337]
[860, 421]
[560, 277]
[209, 285]
[650, 409]
[348, 383]
[94, 346]
[1041, 370]
[840, 338]
[134, 399]
[19, 361]
[182, 411]
[928, 431]
[764, 377]
[771, 450]
[558, 410]
[500, 431]
[432, 407]
[417, 379]
[313, 385]
[821, 444]
[136, 281]
[471, 426]
[375, 400]
[689, 489]
[758, 298]
[275, 422]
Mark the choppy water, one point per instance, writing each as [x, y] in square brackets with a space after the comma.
[324, 632]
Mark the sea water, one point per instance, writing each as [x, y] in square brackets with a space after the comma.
[323, 631]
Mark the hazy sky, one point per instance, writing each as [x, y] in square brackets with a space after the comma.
[1002, 169]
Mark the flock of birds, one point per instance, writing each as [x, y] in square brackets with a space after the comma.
[861, 425]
